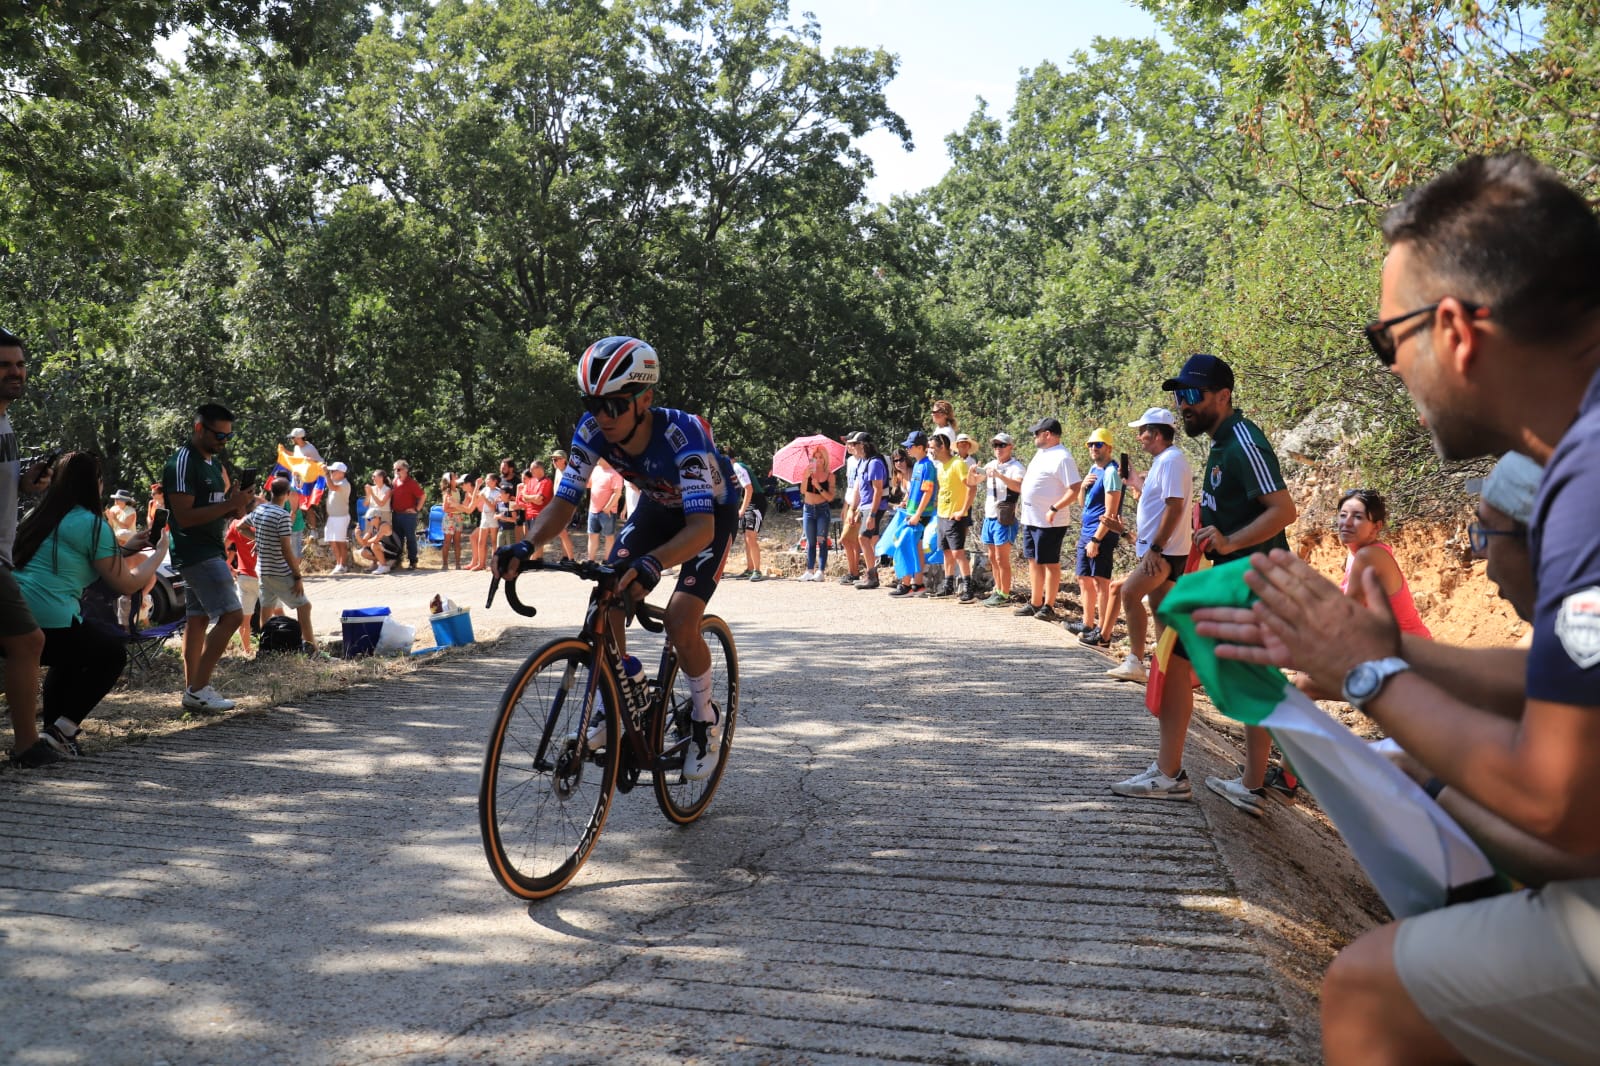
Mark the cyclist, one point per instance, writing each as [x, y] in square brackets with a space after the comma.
[687, 514]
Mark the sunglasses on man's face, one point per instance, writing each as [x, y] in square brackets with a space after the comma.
[610, 406]
[217, 433]
[1380, 334]
[1189, 397]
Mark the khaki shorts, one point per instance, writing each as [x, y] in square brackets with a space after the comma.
[15, 618]
[279, 589]
[1513, 979]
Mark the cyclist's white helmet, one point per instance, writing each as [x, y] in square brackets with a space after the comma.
[618, 365]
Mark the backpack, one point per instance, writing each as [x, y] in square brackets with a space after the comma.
[279, 634]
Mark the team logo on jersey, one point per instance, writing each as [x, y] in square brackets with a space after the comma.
[693, 468]
[677, 438]
[581, 456]
[1216, 477]
[622, 553]
[688, 582]
[1578, 626]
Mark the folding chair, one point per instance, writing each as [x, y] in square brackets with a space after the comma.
[146, 644]
[435, 534]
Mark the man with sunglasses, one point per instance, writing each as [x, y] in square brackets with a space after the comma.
[1244, 509]
[687, 514]
[202, 497]
[1490, 314]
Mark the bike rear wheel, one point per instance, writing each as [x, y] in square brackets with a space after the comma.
[542, 800]
[682, 800]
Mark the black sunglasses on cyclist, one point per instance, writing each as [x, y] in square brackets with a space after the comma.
[610, 406]
[217, 433]
[1380, 334]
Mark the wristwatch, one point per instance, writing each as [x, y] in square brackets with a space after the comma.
[1366, 680]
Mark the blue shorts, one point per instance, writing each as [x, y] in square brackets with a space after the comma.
[602, 522]
[1100, 565]
[1042, 544]
[995, 533]
[652, 525]
[208, 589]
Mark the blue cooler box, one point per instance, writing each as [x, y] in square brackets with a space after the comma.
[362, 625]
[452, 628]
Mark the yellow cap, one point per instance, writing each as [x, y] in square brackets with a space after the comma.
[1099, 436]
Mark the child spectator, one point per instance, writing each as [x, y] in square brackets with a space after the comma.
[241, 542]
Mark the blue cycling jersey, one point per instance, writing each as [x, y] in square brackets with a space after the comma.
[680, 468]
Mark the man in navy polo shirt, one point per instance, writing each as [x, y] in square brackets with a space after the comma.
[1490, 313]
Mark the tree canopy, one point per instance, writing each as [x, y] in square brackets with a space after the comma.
[397, 224]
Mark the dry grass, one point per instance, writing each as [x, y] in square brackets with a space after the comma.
[151, 706]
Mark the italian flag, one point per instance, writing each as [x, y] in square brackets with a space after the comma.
[1416, 856]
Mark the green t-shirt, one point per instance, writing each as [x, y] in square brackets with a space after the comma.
[54, 579]
[191, 473]
[1239, 471]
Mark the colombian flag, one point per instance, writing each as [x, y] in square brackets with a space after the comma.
[309, 476]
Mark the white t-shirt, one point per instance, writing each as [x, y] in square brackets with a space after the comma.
[1170, 477]
[997, 491]
[307, 450]
[1051, 472]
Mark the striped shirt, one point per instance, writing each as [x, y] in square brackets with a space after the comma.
[1241, 469]
[271, 524]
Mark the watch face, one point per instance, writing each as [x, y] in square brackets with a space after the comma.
[1363, 681]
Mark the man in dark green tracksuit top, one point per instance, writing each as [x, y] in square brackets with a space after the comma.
[1244, 509]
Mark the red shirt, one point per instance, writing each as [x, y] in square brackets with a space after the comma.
[543, 489]
[407, 495]
[245, 546]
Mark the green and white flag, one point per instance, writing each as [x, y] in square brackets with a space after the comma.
[1415, 854]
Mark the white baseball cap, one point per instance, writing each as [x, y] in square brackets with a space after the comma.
[339, 467]
[1156, 416]
[294, 433]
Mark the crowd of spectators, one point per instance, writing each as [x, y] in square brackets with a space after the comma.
[1490, 317]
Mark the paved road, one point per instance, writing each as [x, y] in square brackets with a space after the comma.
[913, 859]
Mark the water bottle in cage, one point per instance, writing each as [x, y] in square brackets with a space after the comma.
[635, 688]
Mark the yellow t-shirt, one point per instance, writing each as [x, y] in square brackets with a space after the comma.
[953, 488]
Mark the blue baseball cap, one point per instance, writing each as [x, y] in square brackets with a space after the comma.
[918, 439]
[1201, 372]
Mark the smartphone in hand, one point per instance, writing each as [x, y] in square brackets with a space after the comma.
[247, 478]
[158, 524]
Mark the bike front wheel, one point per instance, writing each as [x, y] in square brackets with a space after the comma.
[682, 800]
[543, 797]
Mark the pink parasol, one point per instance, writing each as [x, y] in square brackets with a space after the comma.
[792, 459]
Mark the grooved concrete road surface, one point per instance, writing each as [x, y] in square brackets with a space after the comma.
[914, 858]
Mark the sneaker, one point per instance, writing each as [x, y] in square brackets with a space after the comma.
[1282, 782]
[206, 701]
[741, 575]
[338, 568]
[1129, 669]
[1027, 610]
[1047, 614]
[1250, 800]
[1153, 784]
[1089, 636]
[756, 575]
[40, 754]
[64, 745]
[966, 591]
[849, 579]
[997, 599]
[705, 749]
[1075, 627]
[380, 569]
[900, 590]
[869, 582]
